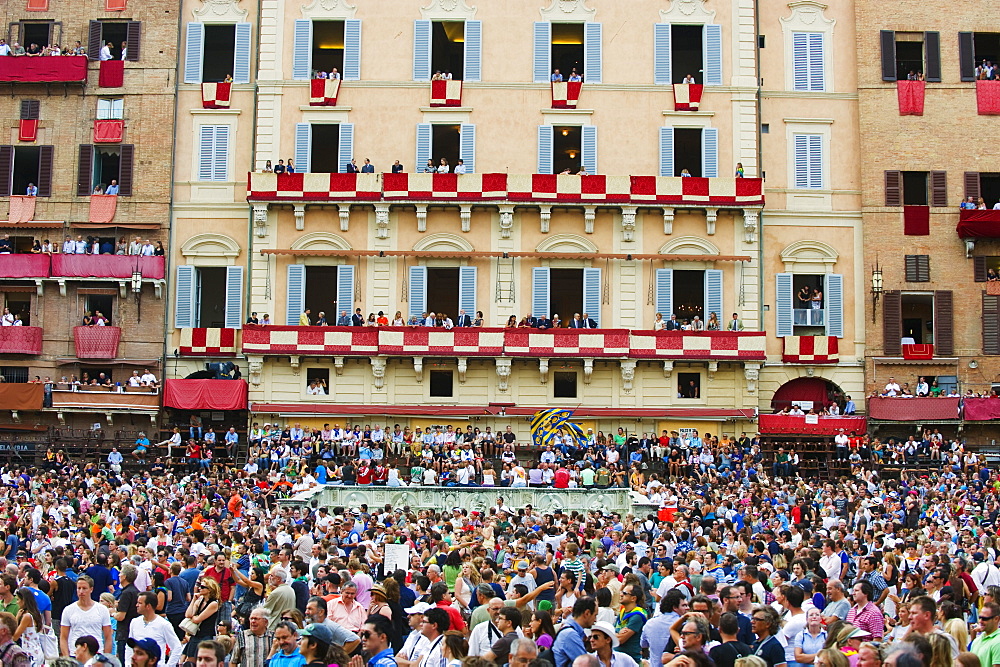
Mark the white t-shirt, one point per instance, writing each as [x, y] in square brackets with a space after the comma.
[91, 622]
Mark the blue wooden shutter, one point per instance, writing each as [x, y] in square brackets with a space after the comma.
[817, 79]
[193, 52]
[220, 155]
[418, 290]
[666, 151]
[543, 51]
[473, 51]
[303, 146]
[815, 161]
[783, 304]
[713, 55]
[296, 294]
[800, 61]
[710, 152]
[241, 59]
[234, 297]
[834, 305]
[661, 54]
[540, 291]
[184, 308]
[588, 148]
[467, 290]
[591, 295]
[424, 136]
[665, 292]
[345, 147]
[345, 290]
[302, 49]
[421, 50]
[206, 153]
[544, 149]
[467, 147]
[592, 52]
[352, 50]
[713, 294]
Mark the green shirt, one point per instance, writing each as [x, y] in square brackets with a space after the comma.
[587, 476]
[987, 647]
[603, 477]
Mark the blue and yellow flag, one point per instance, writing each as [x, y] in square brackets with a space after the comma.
[546, 425]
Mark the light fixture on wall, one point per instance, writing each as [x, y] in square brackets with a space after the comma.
[876, 287]
[137, 291]
[572, 155]
[565, 131]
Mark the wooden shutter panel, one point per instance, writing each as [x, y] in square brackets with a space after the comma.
[592, 294]
[710, 154]
[666, 156]
[944, 335]
[422, 50]
[892, 323]
[424, 138]
[295, 293]
[94, 35]
[352, 50]
[234, 297]
[588, 148]
[302, 44]
[44, 181]
[991, 324]
[972, 184]
[713, 55]
[125, 170]
[241, 55]
[888, 38]
[661, 54]
[345, 289]
[30, 109]
[939, 188]
[665, 292]
[467, 147]
[783, 305]
[979, 269]
[910, 268]
[418, 290]
[540, 291]
[542, 41]
[473, 51]
[713, 293]
[467, 290]
[932, 54]
[85, 168]
[918, 268]
[893, 188]
[132, 40]
[6, 167]
[184, 308]
[544, 149]
[966, 57]
[345, 146]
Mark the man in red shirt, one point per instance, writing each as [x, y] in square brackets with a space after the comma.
[364, 473]
[561, 480]
[224, 577]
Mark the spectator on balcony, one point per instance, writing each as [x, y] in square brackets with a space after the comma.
[697, 324]
[371, 321]
[344, 320]
[739, 170]
[367, 167]
[922, 389]
[659, 324]
[464, 320]
[357, 320]
[265, 321]
[816, 300]
[585, 322]
[105, 52]
[891, 388]
[981, 204]
[88, 321]
[159, 250]
[103, 380]
[7, 319]
[429, 167]
[556, 76]
[544, 322]
[849, 407]
[6, 247]
[124, 50]
[968, 205]
[100, 320]
[268, 169]
[713, 322]
[317, 387]
[34, 50]
[148, 379]
[17, 49]
[135, 380]
[429, 320]
[397, 320]
[4, 47]
[673, 324]
[443, 166]
[688, 78]
[280, 167]
[78, 49]
[478, 320]
[437, 76]
[194, 426]
[112, 188]
[334, 74]
[68, 247]
[304, 319]
[352, 166]
[135, 247]
[574, 76]
[253, 318]
[685, 173]
[735, 324]
[290, 166]
[36, 247]
[397, 168]
[31, 190]
[321, 319]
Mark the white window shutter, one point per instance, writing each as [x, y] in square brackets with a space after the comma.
[815, 161]
[710, 152]
[421, 50]
[234, 297]
[467, 290]
[834, 305]
[418, 290]
[220, 156]
[592, 52]
[817, 78]
[296, 301]
[666, 151]
[467, 147]
[424, 138]
[783, 305]
[352, 50]
[713, 294]
[345, 146]
[193, 50]
[800, 61]
[665, 292]
[661, 54]
[543, 51]
[302, 49]
[206, 152]
[241, 58]
[473, 51]
[184, 311]
[713, 55]
[345, 290]
[303, 146]
[544, 149]
[540, 291]
[588, 148]
[591, 295]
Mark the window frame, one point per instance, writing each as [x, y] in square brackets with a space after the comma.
[114, 108]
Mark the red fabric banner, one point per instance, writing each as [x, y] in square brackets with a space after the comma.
[38, 5]
[104, 266]
[918, 351]
[446, 93]
[910, 95]
[28, 130]
[102, 208]
[566, 94]
[216, 95]
[25, 266]
[979, 215]
[988, 97]
[108, 131]
[21, 396]
[687, 96]
[97, 342]
[20, 340]
[205, 394]
[112, 74]
[208, 342]
[22, 69]
[810, 350]
[323, 92]
[916, 220]
[976, 409]
[794, 424]
[115, 5]
[913, 409]
[22, 209]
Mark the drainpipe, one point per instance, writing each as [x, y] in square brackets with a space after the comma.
[171, 234]
[760, 171]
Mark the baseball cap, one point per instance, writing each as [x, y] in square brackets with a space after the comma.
[319, 631]
[147, 645]
[522, 565]
[418, 608]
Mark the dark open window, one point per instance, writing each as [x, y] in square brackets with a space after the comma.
[976, 49]
[19, 304]
[924, 317]
[318, 377]
[918, 268]
[442, 291]
[100, 164]
[121, 36]
[907, 55]
[99, 299]
[448, 47]
[445, 140]
[325, 148]
[26, 164]
[688, 151]
[915, 188]
[14, 373]
[220, 54]
[321, 292]
[564, 384]
[566, 144]
[21, 166]
[565, 293]
[211, 295]
[689, 385]
[989, 188]
[689, 295]
[567, 49]
[687, 55]
[88, 373]
[328, 46]
[442, 384]
[38, 33]
[809, 309]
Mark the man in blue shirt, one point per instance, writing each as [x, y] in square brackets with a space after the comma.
[286, 637]
[569, 645]
[375, 641]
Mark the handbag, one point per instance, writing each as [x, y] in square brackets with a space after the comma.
[49, 643]
[189, 626]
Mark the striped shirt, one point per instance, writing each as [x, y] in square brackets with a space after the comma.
[251, 650]
[869, 618]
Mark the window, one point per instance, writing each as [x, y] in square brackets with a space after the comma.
[568, 47]
[19, 303]
[327, 289]
[453, 47]
[213, 153]
[916, 188]
[215, 51]
[88, 373]
[687, 50]
[100, 164]
[991, 323]
[327, 46]
[209, 297]
[14, 373]
[442, 290]
[924, 317]
[973, 49]
[689, 293]
[693, 149]
[918, 268]
[907, 55]
[446, 140]
[123, 36]
[317, 381]
[110, 108]
[808, 161]
[983, 266]
[808, 55]
[982, 184]
[37, 33]
[30, 109]
[442, 384]
[809, 304]
[94, 299]
[564, 384]
[323, 147]
[565, 292]
[567, 147]
[689, 385]
[21, 166]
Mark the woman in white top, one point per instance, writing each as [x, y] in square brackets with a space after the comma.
[443, 167]
[658, 323]
[398, 320]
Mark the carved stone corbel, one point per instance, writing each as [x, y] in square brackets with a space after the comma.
[378, 371]
[39, 288]
[506, 221]
[61, 417]
[668, 368]
[260, 220]
[628, 374]
[668, 221]
[546, 218]
[421, 217]
[588, 369]
[628, 223]
[123, 288]
[750, 226]
[62, 288]
[296, 363]
[255, 364]
[970, 245]
[338, 365]
[463, 366]
[158, 286]
[465, 213]
[300, 217]
[543, 369]
[418, 368]
[589, 216]
[503, 375]
[711, 215]
[381, 221]
[344, 211]
[713, 368]
[752, 373]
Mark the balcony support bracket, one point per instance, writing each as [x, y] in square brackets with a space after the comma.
[543, 369]
[711, 215]
[255, 364]
[378, 371]
[296, 363]
[338, 365]
[588, 369]
[344, 210]
[628, 374]
[506, 220]
[589, 216]
[503, 374]
[300, 217]
[260, 220]
[970, 245]
[546, 218]
[62, 287]
[628, 223]
[713, 368]
[418, 368]
[463, 366]
[39, 289]
[668, 368]
[465, 213]
[668, 221]
[421, 218]
[381, 221]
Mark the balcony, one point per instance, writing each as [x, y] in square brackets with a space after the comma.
[914, 409]
[106, 398]
[20, 340]
[809, 317]
[975, 224]
[97, 342]
[40, 69]
[809, 424]
[20, 267]
[208, 342]
[107, 266]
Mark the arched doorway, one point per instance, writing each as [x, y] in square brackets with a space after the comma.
[819, 391]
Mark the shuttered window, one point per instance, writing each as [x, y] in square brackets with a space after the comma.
[944, 334]
[193, 48]
[421, 50]
[966, 56]
[661, 54]
[418, 290]
[425, 135]
[807, 61]
[666, 151]
[979, 269]
[892, 323]
[44, 182]
[544, 149]
[588, 148]
[473, 65]
[932, 53]
[125, 170]
[467, 147]
[971, 181]
[467, 290]
[918, 268]
[710, 152]
[85, 170]
[991, 324]
[542, 41]
[295, 293]
[713, 55]
[352, 50]
[303, 146]
[592, 52]
[665, 292]
[540, 291]
[888, 43]
[184, 308]
[6, 170]
[713, 294]
[808, 161]
[213, 153]
[30, 109]
[241, 55]
[592, 294]
[834, 283]
[302, 39]
[345, 146]
[893, 188]
[939, 188]
[783, 304]
[234, 297]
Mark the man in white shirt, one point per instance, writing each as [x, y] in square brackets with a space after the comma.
[4, 48]
[147, 249]
[68, 247]
[148, 625]
[148, 379]
[892, 387]
[460, 167]
[106, 55]
[81, 246]
[431, 320]
[135, 380]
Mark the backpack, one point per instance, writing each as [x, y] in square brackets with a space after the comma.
[852, 570]
[549, 653]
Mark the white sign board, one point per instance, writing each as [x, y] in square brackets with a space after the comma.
[397, 557]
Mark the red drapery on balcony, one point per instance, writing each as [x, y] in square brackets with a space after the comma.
[205, 394]
[22, 209]
[916, 220]
[206, 342]
[446, 93]
[97, 342]
[27, 130]
[687, 96]
[108, 131]
[810, 350]
[913, 409]
[24, 266]
[22, 69]
[20, 396]
[20, 340]
[104, 266]
[794, 424]
[980, 409]
[115, 5]
[216, 95]
[988, 97]
[38, 5]
[323, 92]
[103, 207]
[918, 350]
[112, 74]
[910, 95]
[566, 94]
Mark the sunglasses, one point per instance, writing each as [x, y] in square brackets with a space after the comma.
[364, 634]
[287, 618]
[987, 618]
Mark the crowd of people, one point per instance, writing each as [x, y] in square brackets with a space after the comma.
[91, 245]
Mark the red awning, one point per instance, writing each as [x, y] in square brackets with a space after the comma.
[477, 410]
[205, 394]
